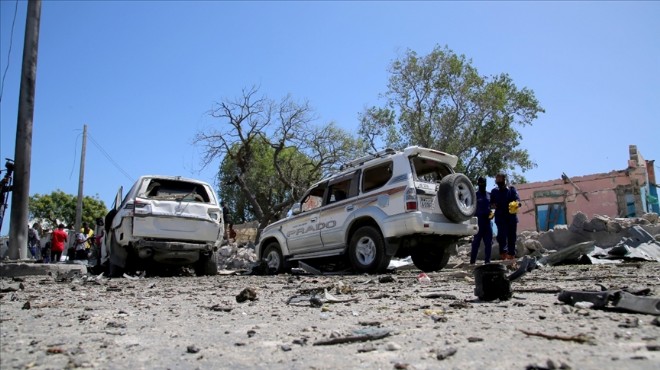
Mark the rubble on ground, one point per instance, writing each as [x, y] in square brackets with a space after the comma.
[614, 239]
[234, 256]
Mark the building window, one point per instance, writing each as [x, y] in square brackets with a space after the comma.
[549, 215]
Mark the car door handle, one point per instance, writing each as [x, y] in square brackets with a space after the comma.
[349, 208]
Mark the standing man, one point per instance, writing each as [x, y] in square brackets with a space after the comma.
[225, 217]
[505, 201]
[34, 240]
[59, 238]
[89, 233]
[484, 215]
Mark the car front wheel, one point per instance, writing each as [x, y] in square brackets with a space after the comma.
[366, 251]
[273, 257]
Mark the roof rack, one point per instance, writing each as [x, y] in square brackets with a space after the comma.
[368, 157]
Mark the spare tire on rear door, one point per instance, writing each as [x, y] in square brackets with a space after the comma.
[457, 198]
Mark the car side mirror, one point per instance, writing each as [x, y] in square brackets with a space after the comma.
[296, 209]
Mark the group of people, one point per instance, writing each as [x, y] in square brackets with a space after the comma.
[501, 203]
[52, 251]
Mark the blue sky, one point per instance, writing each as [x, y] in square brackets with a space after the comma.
[142, 75]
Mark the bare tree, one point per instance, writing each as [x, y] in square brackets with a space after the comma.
[270, 152]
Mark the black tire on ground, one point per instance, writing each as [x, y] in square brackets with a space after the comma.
[430, 258]
[206, 266]
[457, 198]
[114, 270]
[273, 257]
[366, 251]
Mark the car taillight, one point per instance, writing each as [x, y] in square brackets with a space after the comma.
[411, 199]
[139, 204]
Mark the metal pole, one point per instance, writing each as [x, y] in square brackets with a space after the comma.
[81, 180]
[18, 228]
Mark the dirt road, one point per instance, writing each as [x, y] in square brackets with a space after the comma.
[196, 322]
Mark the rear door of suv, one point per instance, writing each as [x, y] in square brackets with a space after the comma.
[175, 209]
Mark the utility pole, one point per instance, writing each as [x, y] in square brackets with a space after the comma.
[18, 228]
[81, 180]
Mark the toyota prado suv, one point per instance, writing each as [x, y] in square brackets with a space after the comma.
[389, 204]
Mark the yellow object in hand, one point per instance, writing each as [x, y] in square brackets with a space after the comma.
[513, 207]
[491, 215]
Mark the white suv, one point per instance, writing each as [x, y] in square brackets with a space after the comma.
[408, 203]
[165, 220]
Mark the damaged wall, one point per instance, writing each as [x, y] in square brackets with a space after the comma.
[615, 194]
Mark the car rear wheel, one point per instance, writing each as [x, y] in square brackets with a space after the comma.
[430, 258]
[273, 257]
[458, 200]
[366, 251]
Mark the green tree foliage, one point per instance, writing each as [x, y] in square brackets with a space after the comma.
[263, 179]
[270, 152]
[440, 101]
[59, 206]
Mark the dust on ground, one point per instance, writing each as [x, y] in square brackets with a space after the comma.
[191, 322]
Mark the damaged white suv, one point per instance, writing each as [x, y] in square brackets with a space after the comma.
[164, 220]
[392, 203]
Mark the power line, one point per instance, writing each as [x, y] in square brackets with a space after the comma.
[114, 163]
[11, 39]
[75, 151]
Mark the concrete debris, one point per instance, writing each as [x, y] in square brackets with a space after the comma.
[614, 240]
[442, 354]
[612, 298]
[246, 294]
[235, 257]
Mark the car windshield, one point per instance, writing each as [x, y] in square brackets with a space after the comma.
[183, 191]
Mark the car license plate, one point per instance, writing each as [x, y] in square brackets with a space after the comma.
[426, 202]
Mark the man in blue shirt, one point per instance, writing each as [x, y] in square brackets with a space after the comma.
[506, 218]
[485, 230]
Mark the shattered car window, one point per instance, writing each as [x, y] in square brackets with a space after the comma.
[181, 191]
[428, 170]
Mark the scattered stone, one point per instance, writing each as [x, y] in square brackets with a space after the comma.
[653, 347]
[656, 321]
[367, 347]
[219, 307]
[251, 333]
[445, 353]
[246, 294]
[630, 323]
[116, 325]
[9, 288]
[475, 339]
[584, 305]
[460, 304]
[27, 305]
[315, 302]
[285, 347]
[192, 349]
[391, 346]
[402, 365]
[438, 318]
[386, 279]
[369, 323]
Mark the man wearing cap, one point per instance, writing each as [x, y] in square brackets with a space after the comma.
[484, 214]
[505, 201]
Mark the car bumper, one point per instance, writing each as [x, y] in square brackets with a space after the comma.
[172, 253]
[420, 223]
